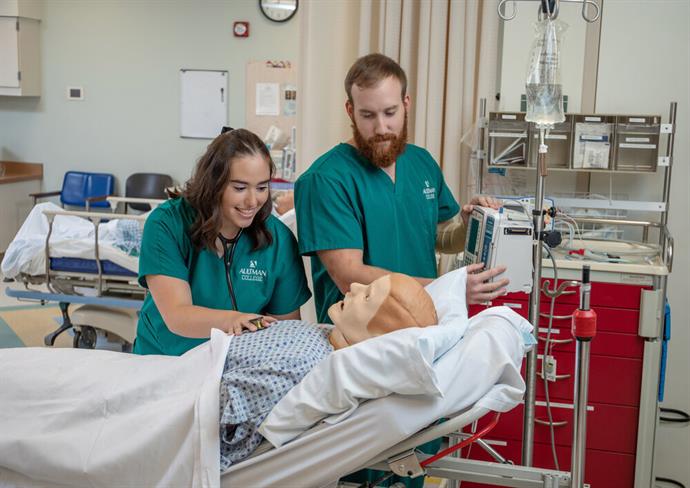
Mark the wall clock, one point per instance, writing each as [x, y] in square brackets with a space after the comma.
[278, 10]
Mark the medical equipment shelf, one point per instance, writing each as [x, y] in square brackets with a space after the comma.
[582, 143]
[624, 374]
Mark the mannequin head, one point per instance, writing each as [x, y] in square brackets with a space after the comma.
[391, 302]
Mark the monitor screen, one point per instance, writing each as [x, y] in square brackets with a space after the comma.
[474, 232]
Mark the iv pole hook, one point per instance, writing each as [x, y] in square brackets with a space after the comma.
[597, 11]
[501, 11]
[545, 9]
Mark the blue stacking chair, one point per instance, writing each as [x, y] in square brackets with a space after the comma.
[80, 186]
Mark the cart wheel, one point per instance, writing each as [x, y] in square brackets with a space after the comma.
[86, 338]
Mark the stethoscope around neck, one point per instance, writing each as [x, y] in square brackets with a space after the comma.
[228, 252]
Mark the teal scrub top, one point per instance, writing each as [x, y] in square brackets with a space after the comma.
[269, 281]
[345, 202]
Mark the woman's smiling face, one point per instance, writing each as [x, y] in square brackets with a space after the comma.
[246, 192]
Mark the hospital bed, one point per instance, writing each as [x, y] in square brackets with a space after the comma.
[72, 257]
[380, 433]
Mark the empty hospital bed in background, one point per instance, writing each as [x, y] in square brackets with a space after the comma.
[84, 258]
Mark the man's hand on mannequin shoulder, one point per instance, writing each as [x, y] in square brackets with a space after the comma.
[479, 200]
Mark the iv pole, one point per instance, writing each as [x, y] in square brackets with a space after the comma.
[549, 8]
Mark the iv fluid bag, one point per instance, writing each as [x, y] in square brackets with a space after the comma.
[544, 89]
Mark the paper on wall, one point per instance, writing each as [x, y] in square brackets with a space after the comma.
[267, 99]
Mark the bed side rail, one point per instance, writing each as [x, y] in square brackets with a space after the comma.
[114, 201]
[151, 202]
[95, 218]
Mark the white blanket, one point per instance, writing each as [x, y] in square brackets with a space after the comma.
[99, 418]
[71, 237]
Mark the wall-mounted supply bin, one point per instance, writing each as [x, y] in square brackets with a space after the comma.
[593, 141]
[508, 143]
[637, 142]
[559, 141]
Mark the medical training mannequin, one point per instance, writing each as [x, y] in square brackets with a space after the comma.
[389, 303]
[261, 367]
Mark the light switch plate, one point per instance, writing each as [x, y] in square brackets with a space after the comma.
[75, 93]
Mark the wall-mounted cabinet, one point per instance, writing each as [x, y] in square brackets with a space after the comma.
[20, 48]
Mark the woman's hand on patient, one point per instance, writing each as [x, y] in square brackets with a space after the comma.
[479, 289]
[247, 321]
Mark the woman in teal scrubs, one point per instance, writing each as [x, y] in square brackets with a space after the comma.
[215, 257]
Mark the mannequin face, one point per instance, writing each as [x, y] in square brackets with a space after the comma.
[389, 303]
[355, 311]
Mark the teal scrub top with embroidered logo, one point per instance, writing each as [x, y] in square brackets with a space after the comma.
[345, 202]
[267, 281]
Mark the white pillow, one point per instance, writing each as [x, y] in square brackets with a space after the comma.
[398, 362]
[448, 293]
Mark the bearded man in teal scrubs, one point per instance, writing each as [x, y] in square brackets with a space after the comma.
[373, 205]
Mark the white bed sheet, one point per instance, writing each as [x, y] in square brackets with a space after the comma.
[72, 237]
[482, 372]
[90, 418]
[126, 433]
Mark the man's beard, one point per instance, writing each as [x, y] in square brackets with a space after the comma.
[379, 156]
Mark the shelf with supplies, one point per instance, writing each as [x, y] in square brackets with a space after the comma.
[582, 143]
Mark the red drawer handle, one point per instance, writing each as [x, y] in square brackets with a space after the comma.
[557, 341]
[558, 376]
[547, 423]
[555, 317]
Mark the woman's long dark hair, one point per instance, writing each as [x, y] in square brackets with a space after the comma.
[204, 190]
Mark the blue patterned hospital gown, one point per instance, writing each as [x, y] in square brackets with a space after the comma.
[261, 367]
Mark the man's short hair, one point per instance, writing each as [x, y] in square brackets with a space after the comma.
[369, 70]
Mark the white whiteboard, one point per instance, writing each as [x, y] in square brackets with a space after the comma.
[203, 103]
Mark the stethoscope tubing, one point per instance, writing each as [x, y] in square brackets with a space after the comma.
[227, 262]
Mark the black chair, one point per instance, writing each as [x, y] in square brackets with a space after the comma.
[146, 185]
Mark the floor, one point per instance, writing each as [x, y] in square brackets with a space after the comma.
[15, 332]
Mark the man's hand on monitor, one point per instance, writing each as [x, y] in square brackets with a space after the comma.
[481, 201]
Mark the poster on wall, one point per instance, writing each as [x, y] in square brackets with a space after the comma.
[203, 103]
